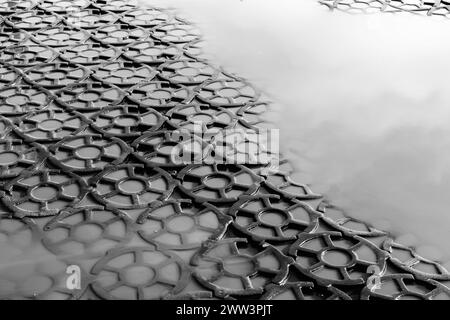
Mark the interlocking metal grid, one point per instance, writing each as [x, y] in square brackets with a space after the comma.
[90, 94]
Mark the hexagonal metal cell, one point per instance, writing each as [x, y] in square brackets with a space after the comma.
[87, 232]
[126, 121]
[179, 225]
[187, 71]
[217, 183]
[131, 186]
[43, 192]
[159, 94]
[32, 19]
[90, 18]
[234, 267]
[27, 55]
[50, 125]
[336, 259]
[57, 74]
[262, 218]
[88, 153]
[90, 96]
[151, 52]
[120, 34]
[124, 73]
[60, 36]
[139, 273]
[149, 17]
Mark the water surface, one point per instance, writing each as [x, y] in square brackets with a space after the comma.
[364, 99]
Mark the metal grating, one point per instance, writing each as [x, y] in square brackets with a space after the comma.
[91, 96]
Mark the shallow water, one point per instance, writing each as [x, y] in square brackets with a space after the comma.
[363, 98]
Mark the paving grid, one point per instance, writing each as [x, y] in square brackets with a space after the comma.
[91, 92]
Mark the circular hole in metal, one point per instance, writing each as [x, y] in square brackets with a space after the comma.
[44, 193]
[50, 125]
[89, 96]
[217, 181]
[8, 158]
[273, 217]
[131, 186]
[88, 152]
[336, 258]
[188, 72]
[126, 121]
[18, 99]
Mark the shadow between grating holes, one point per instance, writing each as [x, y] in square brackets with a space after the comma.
[124, 73]
[116, 5]
[16, 156]
[170, 149]
[125, 121]
[63, 6]
[234, 267]
[159, 94]
[151, 52]
[87, 232]
[139, 273]
[149, 17]
[41, 279]
[50, 125]
[90, 18]
[90, 96]
[90, 54]
[56, 75]
[8, 7]
[187, 71]
[303, 291]
[43, 192]
[336, 259]
[179, 225]
[227, 93]
[131, 186]
[88, 153]
[33, 19]
[409, 261]
[119, 34]
[261, 218]
[176, 31]
[217, 183]
[405, 287]
[27, 55]
[60, 36]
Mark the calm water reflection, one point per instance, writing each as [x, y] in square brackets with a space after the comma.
[364, 103]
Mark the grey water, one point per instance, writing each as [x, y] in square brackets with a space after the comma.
[363, 99]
